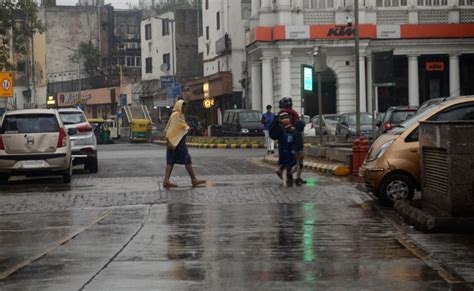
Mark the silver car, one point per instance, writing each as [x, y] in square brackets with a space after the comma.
[34, 142]
[84, 142]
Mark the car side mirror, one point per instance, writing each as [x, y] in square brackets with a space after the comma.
[72, 131]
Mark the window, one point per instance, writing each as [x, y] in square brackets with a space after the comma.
[130, 61]
[318, 4]
[432, 2]
[391, 3]
[466, 2]
[207, 32]
[207, 4]
[132, 29]
[148, 32]
[165, 27]
[21, 67]
[218, 20]
[459, 112]
[148, 66]
[31, 123]
[139, 62]
[166, 59]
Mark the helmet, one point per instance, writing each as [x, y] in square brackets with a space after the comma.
[286, 102]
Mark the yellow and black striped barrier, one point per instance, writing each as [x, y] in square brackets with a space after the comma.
[220, 146]
[333, 169]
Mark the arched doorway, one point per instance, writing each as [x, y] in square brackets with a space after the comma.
[328, 92]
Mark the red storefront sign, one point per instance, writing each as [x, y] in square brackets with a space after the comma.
[435, 66]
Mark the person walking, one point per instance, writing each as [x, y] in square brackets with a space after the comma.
[177, 151]
[286, 160]
[267, 119]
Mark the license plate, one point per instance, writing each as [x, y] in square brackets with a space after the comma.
[31, 164]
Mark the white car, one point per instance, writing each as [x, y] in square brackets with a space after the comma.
[84, 142]
[34, 142]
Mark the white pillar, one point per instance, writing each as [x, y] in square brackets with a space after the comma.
[454, 78]
[266, 5]
[363, 89]
[285, 73]
[284, 12]
[256, 71]
[370, 90]
[267, 82]
[255, 7]
[413, 81]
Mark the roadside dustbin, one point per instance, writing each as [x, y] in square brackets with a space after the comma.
[447, 166]
[106, 136]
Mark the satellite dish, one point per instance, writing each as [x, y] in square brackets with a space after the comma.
[165, 67]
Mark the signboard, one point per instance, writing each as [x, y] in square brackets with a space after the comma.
[174, 91]
[6, 84]
[388, 31]
[208, 103]
[307, 78]
[51, 101]
[435, 66]
[297, 32]
[160, 101]
[123, 100]
[205, 89]
[167, 81]
[383, 68]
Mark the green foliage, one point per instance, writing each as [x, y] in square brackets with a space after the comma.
[18, 23]
[176, 4]
[89, 54]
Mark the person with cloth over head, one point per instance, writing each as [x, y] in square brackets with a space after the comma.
[177, 151]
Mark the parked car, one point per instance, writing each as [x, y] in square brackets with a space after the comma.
[392, 168]
[346, 125]
[34, 142]
[394, 116]
[84, 142]
[242, 122]
[329, 124]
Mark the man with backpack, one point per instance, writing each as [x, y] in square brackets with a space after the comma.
[267, 119]
[282, 130]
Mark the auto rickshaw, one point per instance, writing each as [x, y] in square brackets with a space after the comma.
[105, 130]
[140, 130]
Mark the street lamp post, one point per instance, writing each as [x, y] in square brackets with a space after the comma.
[357, 65]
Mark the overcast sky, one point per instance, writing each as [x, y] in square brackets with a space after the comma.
[115, 3]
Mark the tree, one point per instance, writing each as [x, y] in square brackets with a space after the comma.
[177, 4]
[89, 54]
[18, 24]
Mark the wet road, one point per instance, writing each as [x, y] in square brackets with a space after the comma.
[119, 230]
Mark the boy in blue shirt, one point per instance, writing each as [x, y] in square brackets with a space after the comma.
[267, 119]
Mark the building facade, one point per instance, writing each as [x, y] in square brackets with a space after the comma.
[432, 43]
[222, 46]
[169, 55]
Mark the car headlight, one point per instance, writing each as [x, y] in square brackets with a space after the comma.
[244, 130]
[383, 149]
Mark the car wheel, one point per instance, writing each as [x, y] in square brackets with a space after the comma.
[396, 187]
[92, 165]
[67, 175]
[4, 179]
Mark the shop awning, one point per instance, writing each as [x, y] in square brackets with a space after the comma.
[219, 84]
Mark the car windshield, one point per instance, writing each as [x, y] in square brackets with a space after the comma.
[401, 116]
[331, 119]
[30, 123]
[365, 119]
[249, 117]
[72, 117]
[417, 117]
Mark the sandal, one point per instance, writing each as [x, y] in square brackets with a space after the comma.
[168, 185]
[199, 183]
[279, 174]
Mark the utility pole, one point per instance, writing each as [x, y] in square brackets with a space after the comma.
[357, 65]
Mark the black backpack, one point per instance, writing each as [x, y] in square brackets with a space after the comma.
[275, 129]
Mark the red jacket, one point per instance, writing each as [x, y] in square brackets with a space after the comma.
[294, 115]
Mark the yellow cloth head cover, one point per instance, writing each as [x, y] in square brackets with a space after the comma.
[177, 127]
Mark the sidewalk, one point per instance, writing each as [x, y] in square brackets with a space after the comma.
[336, 169]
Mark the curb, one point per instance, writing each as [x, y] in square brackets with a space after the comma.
[333, 169]
[220, 146]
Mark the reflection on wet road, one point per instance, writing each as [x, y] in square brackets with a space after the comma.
[242, 232]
